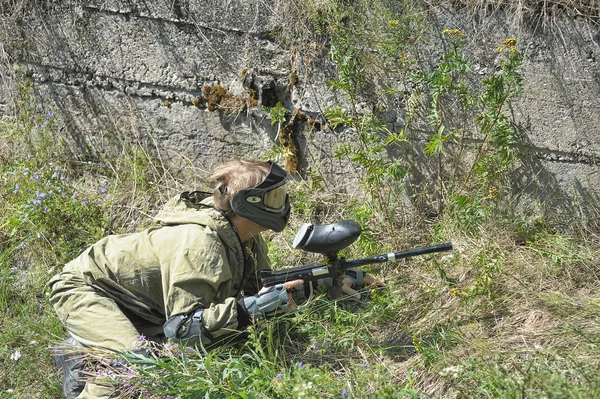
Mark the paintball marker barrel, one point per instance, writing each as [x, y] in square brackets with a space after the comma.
[335, 267]
[399, 255]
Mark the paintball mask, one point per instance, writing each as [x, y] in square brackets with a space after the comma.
[267, 204]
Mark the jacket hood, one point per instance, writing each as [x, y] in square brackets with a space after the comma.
[182, 211]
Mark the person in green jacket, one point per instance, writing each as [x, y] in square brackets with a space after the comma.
[193, 277]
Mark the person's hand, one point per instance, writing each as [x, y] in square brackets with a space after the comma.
[350, 284]
[289, 286]
[353, 281]
[270, 301]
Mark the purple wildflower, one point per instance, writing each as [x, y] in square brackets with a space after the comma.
[300, 365]
[279, 376]
[364, 364]
[14, 269]
[142, 337]
[36, 201]
[40, 195]
[74, 196]
[344, 394]
[102, 189]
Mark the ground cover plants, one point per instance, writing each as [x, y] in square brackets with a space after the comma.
[511, 312]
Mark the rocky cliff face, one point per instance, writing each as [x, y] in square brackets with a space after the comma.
[193, 77]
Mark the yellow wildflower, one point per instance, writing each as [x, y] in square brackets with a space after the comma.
[510, 42]
[393, 22]
[453, 32]
[417, 343]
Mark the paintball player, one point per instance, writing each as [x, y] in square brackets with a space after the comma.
[193, 277]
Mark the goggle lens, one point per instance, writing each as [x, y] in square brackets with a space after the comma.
[275, 200]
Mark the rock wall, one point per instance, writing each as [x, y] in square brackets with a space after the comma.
[134, 68]
[139, 70]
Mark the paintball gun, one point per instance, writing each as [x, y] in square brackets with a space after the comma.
[328, 240]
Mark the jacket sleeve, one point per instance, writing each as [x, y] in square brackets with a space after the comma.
[195, 277]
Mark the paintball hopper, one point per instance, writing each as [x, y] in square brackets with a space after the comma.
[327, 239]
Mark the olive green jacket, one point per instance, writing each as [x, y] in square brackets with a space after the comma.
[192, 259]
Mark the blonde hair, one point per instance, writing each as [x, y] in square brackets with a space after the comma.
[232, 177]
